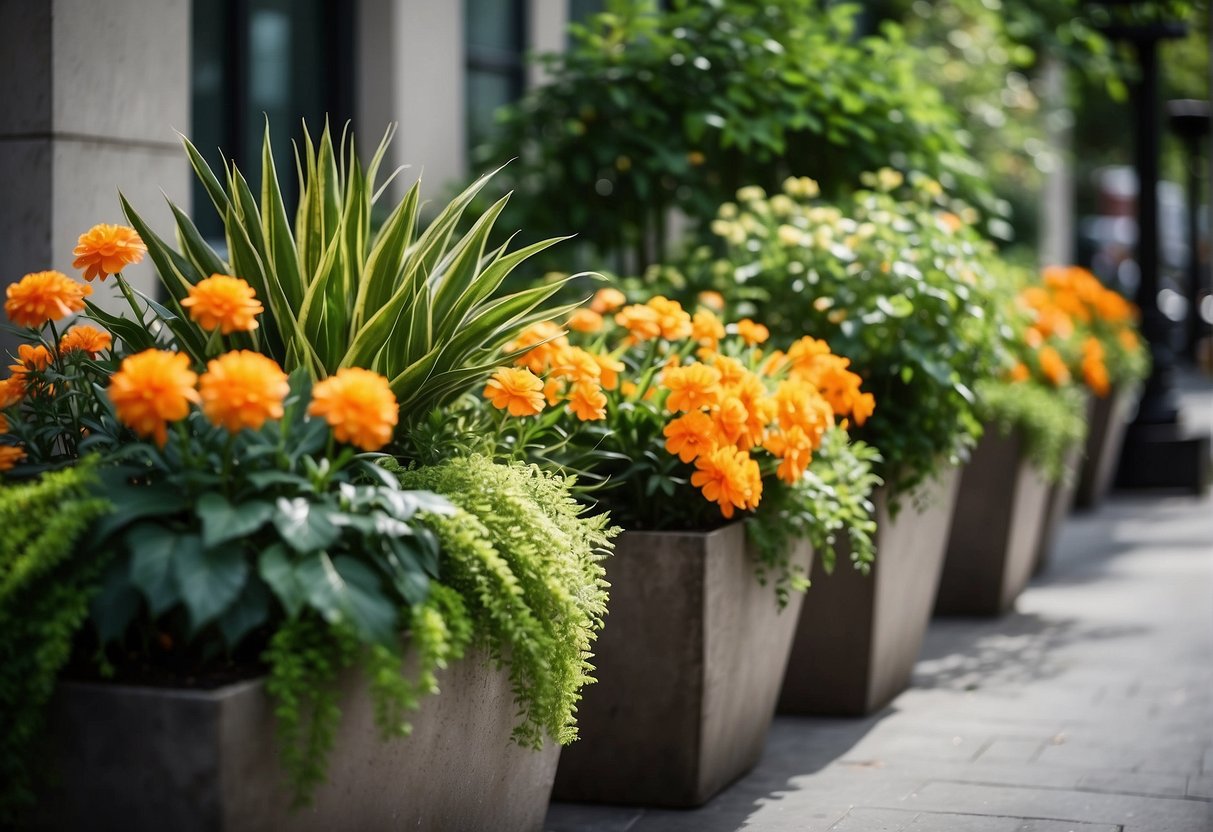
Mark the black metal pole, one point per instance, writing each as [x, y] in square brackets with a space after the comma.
[1190, 122]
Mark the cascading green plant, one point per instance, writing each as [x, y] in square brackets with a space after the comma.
[420, 307]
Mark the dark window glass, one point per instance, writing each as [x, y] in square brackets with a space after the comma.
[288, 60]
[495, 34]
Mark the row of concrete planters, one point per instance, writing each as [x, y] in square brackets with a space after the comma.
[996, 529]
[138, 758]
[688, 666]
[1108, 419]
[859, 636]
[1060, 504]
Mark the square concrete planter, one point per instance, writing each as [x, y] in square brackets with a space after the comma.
[1000, 511]
[688, 666]
[859, 636]
[139, 758]
[1060, 504]
[1107, 422]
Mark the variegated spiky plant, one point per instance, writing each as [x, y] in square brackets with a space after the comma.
[419, 305]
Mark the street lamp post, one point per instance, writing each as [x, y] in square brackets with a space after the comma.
[1190, 121]
[1156, 453]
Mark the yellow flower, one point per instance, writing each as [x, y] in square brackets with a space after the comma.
[628, 389]
[607, 300]
[151, 389]
[712, 300]
[44, 296]
[107, 249]
[539, 344]
[85, 338]
[243, 389]
[359, 406]
[752, 333]
[691, 387]
[10, 455]
[642, 322]
[673, 320]
[518, 391]
[706, 328]
[575, 364]
[225, 303]
[586, 320]
[587, 401]
[690, 435]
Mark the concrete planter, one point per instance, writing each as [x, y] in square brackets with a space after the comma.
[1058, 507]
[689, 666]
[1000, 511]
[859, 636]
[135, 759]
[1107, 421]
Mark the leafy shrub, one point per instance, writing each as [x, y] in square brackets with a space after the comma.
[527, 564]
[1052, 421]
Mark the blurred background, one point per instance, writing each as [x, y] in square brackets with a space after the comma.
[1023, 107]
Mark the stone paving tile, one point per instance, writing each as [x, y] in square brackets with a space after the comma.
[1089, 708]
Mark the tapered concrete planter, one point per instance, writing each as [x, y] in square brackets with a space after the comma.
[859, 636]
[1000, 511]
[1107, 422]
[1058, 507]
[689, 665]
[156, 759]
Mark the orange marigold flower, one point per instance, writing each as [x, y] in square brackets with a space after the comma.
[801, 405]
[587, 401]
[586, 320]
[752, 333]
[11, 392]
[575, 364]
[359, 406]
[30, 358]
[243, 389]
[10, 455]
[541, 342]
[1053, 367]
[628, 389]
[706, 328]
[641, 322]
[690, 435]
[151, 389]
[731, 370]
[729, 478]
[675, 323]
[44, 296]
[863, 407]
[85, 338]
[794, 447]
[3, 423]
[107, 249]
[608, 370]
[1020, 372]
[607, 300]
[712, 300]
[553, 391]
[691, 387]
[515, 390]
[1128, 340]
[225, 303]
[731, 417]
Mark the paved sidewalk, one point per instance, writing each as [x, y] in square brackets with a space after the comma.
[1089, 709]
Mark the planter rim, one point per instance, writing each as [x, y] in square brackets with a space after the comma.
[169, 691]
[691, 533]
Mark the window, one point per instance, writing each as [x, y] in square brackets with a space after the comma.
[495, 34]
[288, 60]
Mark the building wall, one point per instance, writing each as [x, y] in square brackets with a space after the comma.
[88, 105]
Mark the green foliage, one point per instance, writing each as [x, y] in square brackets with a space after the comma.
[1051, 420]
[650, 110]
[830, 506]
[899, 284]
[45, 583]
[420, 307]
[527, 564]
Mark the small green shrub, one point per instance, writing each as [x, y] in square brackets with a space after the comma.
[1052, 420]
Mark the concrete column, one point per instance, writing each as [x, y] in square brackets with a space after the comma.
[1057, 198]
[90, 95]
[547, 22]
[411, 72]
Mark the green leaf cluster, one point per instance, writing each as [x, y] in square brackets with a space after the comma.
[527, 562]
[420, 306]
[650, 110]
[1052, 420]
[45, 583]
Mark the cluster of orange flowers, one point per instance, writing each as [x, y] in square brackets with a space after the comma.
[1071, 303]
[243, 389]
[722, 411]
